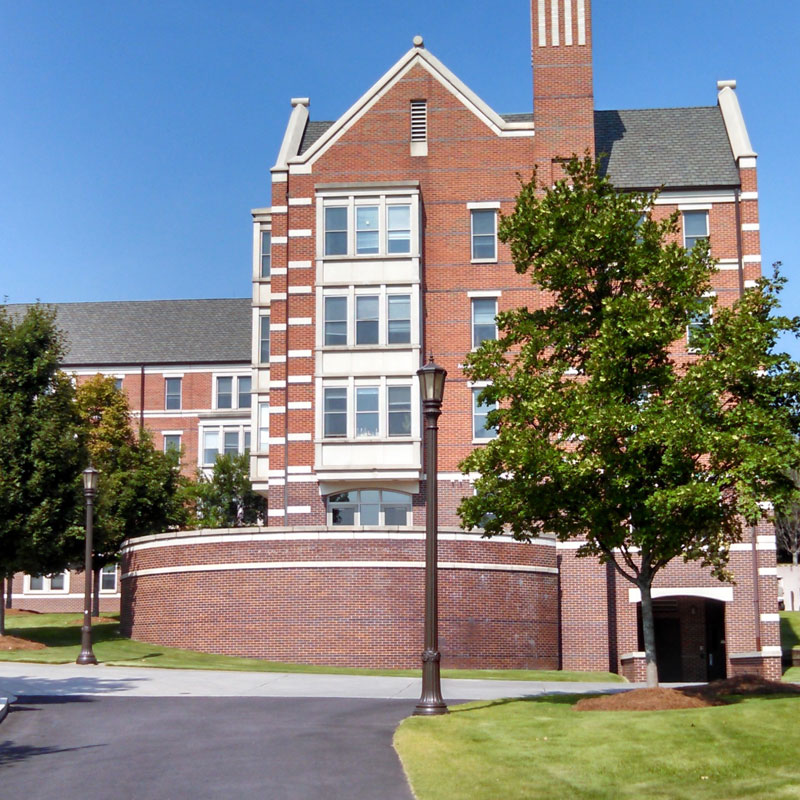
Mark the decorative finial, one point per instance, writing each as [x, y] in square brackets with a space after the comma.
[726, 85]
[418, 41]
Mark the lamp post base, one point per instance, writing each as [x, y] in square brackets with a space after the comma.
[431, 703]
[86, 656]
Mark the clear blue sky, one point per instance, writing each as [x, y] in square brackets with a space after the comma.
[137, 136]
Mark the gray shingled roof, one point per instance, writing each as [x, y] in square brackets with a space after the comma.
[312, 132]
[647, 148]
[154, 331]
[673, 147]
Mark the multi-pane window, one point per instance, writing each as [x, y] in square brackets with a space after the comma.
[367, 319]
[336, 320]
[698, 329]
[398, 314]
[172, 393]
[367, 411]
[399, 410]
[367, 226]
[483, 223]
[108, 578]
[266, 253]
[480, 426]
[484, 326]
[335, 411]
[336, 230]
[263, 339]
[379, 319]
[695, 227]
[263, 426]
[227, 439]
[370, 412]
[172, 441]
[234, 391]
[48, 583]
[369, 507]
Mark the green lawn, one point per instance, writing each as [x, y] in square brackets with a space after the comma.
[541, 749]
[61, 634]
[790, 637]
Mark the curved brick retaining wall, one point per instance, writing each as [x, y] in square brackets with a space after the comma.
[342, 596]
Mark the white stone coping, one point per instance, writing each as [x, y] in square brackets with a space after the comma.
[269, 565]
[771, 651]
[632, 656]
[311, 532]
[724, 593]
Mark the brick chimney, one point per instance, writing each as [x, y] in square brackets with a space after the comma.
[563, 99]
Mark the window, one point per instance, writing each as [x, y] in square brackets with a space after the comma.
[335, 411]
[108, 578]
[367, 412]
[399, 410]
[336, 231]
[266, 253]
[698, 329]
[380, 319]
[369, 507]
[695, 227]
[419, 120]
[118, 384]
[225, 439]
[335, 320]
[263, 339]
[367, 226]
[263, 426]
[484, 311]
[234, 389]
[172, 393]
[367, 319]
[480, 411]
[48, 583]
[172, 441]
[398, 314]
[484, 234]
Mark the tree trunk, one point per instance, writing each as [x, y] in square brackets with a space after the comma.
[3, 608]
[649, 631]
[9, 586]
[96, 593]
[795, 555]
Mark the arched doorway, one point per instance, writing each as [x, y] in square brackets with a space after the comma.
[690, 638]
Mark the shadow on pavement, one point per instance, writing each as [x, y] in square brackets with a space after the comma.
[11, 753]
[31, 686]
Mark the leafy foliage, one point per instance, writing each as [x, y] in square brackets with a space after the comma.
[42, 445]
[226, 499]
[608, 429]
[787, 525]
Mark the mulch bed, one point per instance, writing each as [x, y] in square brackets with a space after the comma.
[662, 699]
[15, 643]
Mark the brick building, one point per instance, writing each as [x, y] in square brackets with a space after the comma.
[379, 245]
[185, 368]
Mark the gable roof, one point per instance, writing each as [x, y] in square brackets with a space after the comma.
[135, 332]
[671, 147]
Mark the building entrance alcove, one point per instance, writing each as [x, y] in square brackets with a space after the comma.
[690, 638]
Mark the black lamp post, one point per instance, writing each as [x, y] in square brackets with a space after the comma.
[87, 656]
[431, 382]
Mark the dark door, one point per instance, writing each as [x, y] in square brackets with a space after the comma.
[668, 649]
[715, 639]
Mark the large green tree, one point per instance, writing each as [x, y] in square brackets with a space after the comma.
[226, 499]
[608, 431]
[140, 489]
[41, 446]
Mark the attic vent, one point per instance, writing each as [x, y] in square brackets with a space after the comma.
[419, 120]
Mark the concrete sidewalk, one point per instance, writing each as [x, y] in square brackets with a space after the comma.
[36, 680]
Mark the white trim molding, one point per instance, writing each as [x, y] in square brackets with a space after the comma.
[723, 593]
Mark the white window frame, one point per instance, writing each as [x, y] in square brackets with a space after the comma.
[695, 238]
[383, 293]
[263, 326]
[351, 387]
[383, 199]
[47, 589]
[711, 298]
[265, 232]
[262, 442]
[115, 590]
[220, 428]
[165, 434]
[475, 390]
[481, 207]
[381, 513]
[178, 378]
[235, 391]
[473, 298]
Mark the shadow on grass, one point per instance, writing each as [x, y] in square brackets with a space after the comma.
[559, 698]
[55, 636]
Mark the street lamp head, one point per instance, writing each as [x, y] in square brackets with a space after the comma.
[431, 380]
[90, 477]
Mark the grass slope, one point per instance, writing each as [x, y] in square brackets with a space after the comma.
[61, 634]
[541, 749]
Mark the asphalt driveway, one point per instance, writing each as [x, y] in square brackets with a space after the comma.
[170, 748]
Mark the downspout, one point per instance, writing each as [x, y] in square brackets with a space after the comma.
[141, 403]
